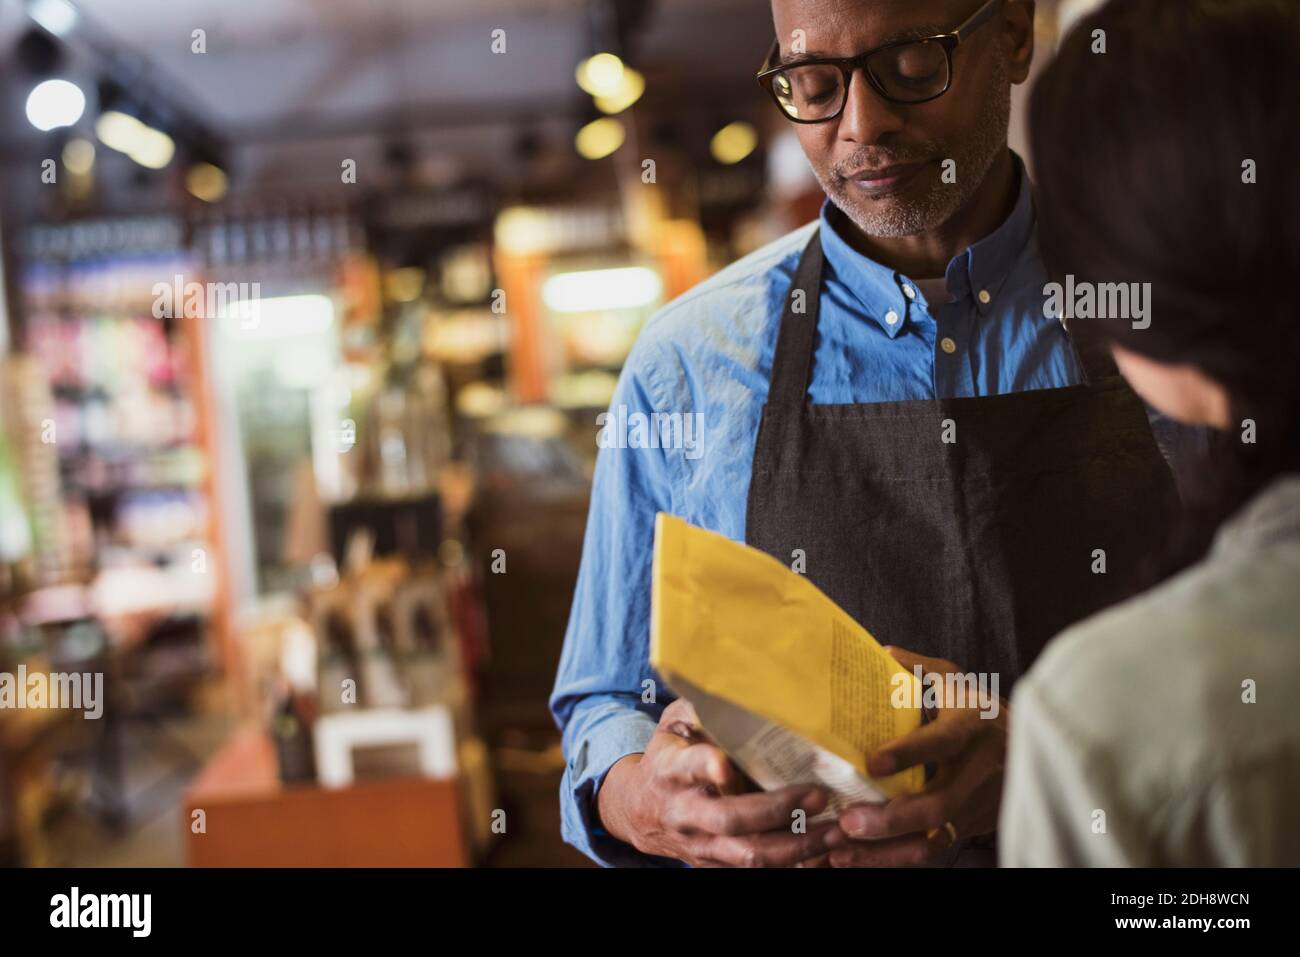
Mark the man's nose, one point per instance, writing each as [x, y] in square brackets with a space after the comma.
[867, 115]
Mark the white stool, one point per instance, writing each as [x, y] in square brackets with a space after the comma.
[337, 735]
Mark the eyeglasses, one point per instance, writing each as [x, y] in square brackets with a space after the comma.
[815, 90]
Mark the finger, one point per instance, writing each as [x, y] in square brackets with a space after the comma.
[908, 814]
[746, 814]
[966, 794]
[700, 764]
[941, 740]
[914, 850]
[774, 849]
[680, 718]
[896, 817]
[684, 763]
[691, 762]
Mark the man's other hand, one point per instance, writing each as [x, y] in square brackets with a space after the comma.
[962, 800]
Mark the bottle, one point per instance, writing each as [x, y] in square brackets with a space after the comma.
[293, 742]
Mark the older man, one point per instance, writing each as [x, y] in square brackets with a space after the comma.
[884, 396]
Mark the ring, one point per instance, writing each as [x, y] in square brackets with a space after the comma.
[952, 832]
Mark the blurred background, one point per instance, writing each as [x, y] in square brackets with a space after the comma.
[309, 310]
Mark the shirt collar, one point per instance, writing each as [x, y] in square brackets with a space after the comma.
[978, 273]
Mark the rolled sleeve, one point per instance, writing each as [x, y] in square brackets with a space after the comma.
[597, 738]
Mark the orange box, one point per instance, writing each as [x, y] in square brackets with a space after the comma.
[251, 819]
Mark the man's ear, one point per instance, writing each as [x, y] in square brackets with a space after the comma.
[1018, 35]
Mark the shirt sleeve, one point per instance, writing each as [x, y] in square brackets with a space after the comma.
[607, 699]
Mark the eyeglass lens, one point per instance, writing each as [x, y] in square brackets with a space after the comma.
[908, 73]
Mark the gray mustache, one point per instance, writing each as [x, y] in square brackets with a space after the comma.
[879, 160]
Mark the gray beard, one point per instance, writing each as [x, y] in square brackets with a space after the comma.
[942, 200]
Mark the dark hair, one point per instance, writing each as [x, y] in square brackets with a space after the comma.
[1140, 154]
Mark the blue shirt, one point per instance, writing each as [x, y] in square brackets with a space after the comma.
[710, 352]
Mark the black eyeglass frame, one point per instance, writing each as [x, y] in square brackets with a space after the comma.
[849, 65]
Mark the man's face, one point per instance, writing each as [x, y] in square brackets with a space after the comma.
[883, 163]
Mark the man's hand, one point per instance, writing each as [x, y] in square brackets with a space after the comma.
[969, 751]
[682, 798]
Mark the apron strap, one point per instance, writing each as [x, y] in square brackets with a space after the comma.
[796, 336]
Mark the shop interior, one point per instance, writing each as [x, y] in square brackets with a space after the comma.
[310, 308]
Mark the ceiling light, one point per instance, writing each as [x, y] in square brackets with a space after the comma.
[155, 149]
[600, 75]
[628, 92]
[117, 130]
[206, 182]
[55, 103]
[733, 142]
[599, 138]
[57, 16]
[122, 132]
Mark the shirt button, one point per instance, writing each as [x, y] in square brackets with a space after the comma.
[948, 345]
[891, 317]
[985, 297]
[909, 292]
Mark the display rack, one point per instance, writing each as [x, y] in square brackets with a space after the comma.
[133, 468]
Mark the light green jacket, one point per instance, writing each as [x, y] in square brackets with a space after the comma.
[1166, 731]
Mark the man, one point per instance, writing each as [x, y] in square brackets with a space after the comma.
[886, 404]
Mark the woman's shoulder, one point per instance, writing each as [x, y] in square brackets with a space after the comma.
[1187, 678]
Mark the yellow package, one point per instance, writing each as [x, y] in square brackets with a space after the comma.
[788, 684]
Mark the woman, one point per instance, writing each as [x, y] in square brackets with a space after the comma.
[1164, 731]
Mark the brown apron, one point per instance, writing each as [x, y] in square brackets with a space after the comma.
[977, 550]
